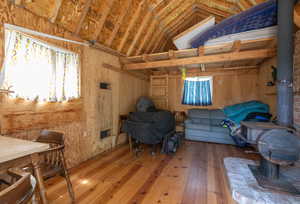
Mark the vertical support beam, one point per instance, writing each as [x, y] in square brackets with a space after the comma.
[130, 26]
[102, 20]
[87, 6]
[118, 24]
[285, 63]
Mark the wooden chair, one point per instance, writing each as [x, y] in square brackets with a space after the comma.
[122, 119]
[19, 192]
[53, 162]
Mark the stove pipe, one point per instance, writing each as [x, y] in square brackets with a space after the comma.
[285, 62]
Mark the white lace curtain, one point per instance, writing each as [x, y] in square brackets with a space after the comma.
[37, 71]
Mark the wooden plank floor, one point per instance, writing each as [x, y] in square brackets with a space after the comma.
[194, 175]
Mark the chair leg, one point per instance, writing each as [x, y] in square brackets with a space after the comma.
[130, 142]
[67, 177]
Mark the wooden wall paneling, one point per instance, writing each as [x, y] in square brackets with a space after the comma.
[228, 88]
[131, 24]
[159, 91]
[139, 32]
[145, 38]
[267, 94]
[104, 15]
[124, 12]
[83, 14]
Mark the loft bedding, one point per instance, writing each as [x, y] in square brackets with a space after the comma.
[259, 21]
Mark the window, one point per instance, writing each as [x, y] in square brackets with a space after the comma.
[197, 91]
[37, 71]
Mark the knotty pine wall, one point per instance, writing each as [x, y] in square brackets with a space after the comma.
[229, 87]
[267, 94]
[77, 119]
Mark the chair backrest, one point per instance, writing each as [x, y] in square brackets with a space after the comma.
[19, 192]
[52, 159]
[51, 137]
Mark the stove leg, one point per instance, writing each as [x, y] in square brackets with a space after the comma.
[269, 169]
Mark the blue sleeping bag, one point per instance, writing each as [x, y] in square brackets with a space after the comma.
[261, 16]
[239, 112]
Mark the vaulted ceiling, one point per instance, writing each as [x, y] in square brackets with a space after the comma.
[133, 27]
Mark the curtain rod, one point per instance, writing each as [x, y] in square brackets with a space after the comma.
[29, 31]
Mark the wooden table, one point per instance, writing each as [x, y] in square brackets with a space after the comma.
[17, 153]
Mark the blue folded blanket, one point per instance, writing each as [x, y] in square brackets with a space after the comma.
[239, 112]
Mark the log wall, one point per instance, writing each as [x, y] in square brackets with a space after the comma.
[77, 119]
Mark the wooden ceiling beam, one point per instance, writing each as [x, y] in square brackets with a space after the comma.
[152, 41]
[121, 17]
[145, 37]
[244, 5]
[211, 71]
[83, 15]
[183, 24]
[178, 14]
[208, 59]
[130, 26]
[139, 32]
[212, 10]
[225, 6]
[178, 4]
[183, 15]
[55, 10]
[104, 14]
[157, 43]
[180, 21]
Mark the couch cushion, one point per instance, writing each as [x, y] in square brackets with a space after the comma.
[196, 126]
[217, 114]
[198, 113]
[204, 121]
[208, 136]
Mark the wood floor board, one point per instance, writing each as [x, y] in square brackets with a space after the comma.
[194, 175]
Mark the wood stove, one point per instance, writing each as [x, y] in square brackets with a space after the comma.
[278, 147]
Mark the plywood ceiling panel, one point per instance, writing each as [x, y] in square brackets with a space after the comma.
[132, 26]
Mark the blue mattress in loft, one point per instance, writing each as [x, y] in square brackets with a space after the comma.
[261, 16]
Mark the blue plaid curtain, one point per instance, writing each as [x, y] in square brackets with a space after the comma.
[197, 93]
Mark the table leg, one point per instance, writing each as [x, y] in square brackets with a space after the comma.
[35, 159]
